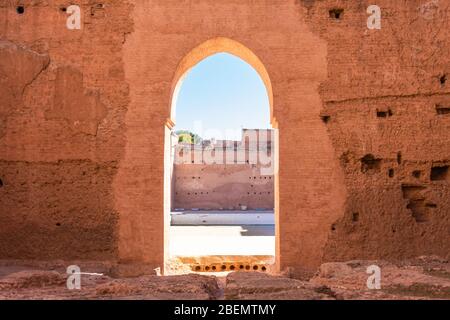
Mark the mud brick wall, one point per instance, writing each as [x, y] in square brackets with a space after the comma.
[363, 119]
[222, 186]
[63, 101]
[386, 109]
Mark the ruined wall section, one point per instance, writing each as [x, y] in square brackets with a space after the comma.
[222, 186]
[225, 174]
[171, 35]
[63, 100]
[387, 109]
[67, 169]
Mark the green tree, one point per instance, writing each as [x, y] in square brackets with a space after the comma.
[185, 136]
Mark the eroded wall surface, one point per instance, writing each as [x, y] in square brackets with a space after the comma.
[222, 187]
[63, 99]
[386, 104]
[225, 174]
[363, 118]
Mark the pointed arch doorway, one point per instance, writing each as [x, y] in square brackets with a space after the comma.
[195, 56]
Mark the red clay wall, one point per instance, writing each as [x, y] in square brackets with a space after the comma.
[63, 99]
[225, 174]
[83, 115]
[222, 187]
[381, 95]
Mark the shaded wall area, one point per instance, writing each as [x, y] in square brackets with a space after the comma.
[61, 209]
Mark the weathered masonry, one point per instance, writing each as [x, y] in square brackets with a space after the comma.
[362, 115]
[225, 174]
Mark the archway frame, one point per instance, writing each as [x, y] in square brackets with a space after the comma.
[195, 56]
[207, 49]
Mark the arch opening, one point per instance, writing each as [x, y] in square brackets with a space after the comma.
[202, 162]
[207, 49]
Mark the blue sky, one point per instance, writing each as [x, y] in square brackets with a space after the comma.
[222, 92]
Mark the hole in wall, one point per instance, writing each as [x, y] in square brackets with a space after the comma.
[439, 173]
[20, 9]
[1, 183]
[227, 267]
[443, 79]
[381, 114]
[325, 118]
[441, 110]
[384, 113]
[417, 174]
[336, 13]
[391, 173]
[58, 224]
[369, 162]
[355, 216]
[63, 9]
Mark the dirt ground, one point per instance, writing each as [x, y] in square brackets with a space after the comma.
[420, 278]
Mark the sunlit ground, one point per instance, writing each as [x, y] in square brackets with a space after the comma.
[222, 240]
